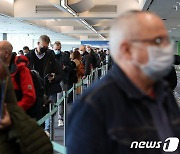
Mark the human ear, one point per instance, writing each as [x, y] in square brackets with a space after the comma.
[125, 49]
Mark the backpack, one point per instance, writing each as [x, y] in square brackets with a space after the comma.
[80, 69]
[72, 73]
[36, 110]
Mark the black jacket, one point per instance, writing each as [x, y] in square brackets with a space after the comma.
[64, 60]
[90, 61]
[171, 77]
[114, 112]
[50, 65]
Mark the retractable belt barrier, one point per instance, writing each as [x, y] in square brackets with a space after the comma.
[90, 78]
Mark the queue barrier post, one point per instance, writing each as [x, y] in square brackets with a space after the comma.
[65, 115]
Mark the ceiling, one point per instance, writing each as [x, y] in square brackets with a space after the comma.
[13, 26]
[169, 11]
[91, 19]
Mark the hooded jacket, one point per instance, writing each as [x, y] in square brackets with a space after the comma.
[25, 91]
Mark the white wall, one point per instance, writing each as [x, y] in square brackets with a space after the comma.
[1, 36]
[69, 47]
[19, 41]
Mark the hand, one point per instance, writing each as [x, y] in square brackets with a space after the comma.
[64, 67]
[51, 77]
[6, 120]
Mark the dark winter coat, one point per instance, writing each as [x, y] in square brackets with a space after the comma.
[24, 136]
[50, 65]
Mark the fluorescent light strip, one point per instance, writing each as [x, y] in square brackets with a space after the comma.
[67, 8]
[71, 11]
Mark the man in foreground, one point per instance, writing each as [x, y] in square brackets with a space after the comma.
[132, 103]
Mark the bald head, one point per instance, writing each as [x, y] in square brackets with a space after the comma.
[134, 25]
[5, 45]
[5, 51]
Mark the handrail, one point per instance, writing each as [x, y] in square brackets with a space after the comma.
[57, 147]
[41, 121]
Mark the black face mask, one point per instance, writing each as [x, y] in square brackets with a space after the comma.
[43, 50]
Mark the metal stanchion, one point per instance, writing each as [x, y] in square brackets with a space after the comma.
[96, 74]
[106, 69]
[65, 115]
[74, 91]
[81, 86]
[91, 77]
[88, 80]
[51, 123]
[102, 70]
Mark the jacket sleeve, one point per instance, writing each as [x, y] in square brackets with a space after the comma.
[27, 88]
[58, 72]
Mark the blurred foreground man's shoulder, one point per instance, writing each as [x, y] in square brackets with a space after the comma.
[132, 103]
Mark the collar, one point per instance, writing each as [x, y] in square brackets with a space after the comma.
[85, 53]
[126, 85]
[39, 56]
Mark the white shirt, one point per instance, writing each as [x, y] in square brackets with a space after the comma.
[39, 56]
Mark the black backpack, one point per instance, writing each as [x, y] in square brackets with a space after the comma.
[72, 73]
[36, 110]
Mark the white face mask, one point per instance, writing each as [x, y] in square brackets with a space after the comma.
[159, 63]
[88, 50]
[81, 52]
[56, 52]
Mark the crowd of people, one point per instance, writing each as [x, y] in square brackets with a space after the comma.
[40, 75]
[132, 103]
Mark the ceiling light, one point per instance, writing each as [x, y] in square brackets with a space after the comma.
[67, 8]
[178, 3]
[10, 1]
[64, 4]
[173, 28]
[175, 7]
[102, 37]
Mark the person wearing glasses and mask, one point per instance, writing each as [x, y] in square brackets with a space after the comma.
[42, 59]
[131, 105]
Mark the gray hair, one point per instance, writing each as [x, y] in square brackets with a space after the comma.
[120, 30]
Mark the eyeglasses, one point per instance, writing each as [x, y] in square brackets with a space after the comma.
[155, 41]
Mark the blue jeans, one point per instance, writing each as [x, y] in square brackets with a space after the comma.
[53, 98]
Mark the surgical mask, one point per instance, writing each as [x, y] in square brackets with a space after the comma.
[81, 52]
[88, 50]
[57, 52]
[43, 50]
[159, 62]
